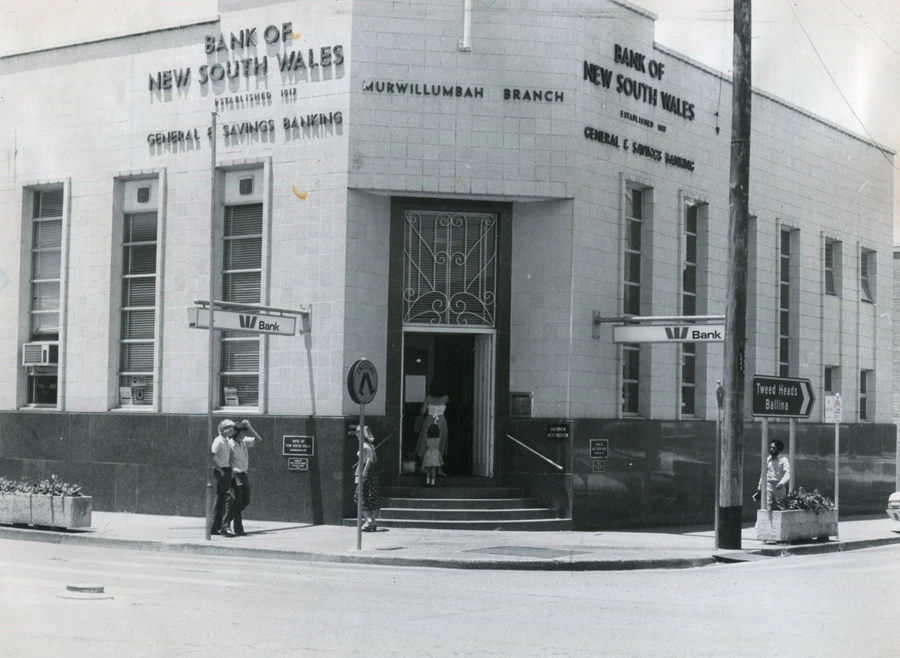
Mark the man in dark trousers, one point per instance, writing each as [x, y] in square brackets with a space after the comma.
[240, 465]
[221, 450]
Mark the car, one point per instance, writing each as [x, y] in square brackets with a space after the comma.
[893, 509]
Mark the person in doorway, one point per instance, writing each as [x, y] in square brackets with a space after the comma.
[367, 479]
[221, 451]
[432, 460]
[433, 408]
[777, 475]
[240, 467]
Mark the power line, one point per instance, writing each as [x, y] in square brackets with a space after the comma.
[834, 82]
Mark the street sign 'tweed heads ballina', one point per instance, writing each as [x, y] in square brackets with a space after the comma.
[782, 397]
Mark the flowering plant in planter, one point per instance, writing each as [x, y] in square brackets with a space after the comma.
[801, 499]
[51, 503]
[800, 515]
[52, 487]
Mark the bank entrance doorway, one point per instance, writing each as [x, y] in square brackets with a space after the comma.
[461, 366]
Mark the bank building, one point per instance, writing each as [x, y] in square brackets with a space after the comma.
[478, 195]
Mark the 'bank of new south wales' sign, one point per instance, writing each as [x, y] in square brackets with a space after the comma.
[255, 323]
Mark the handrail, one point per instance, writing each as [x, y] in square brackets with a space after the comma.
[549, 461]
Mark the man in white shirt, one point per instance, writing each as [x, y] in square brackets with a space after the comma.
[221, 451]
[240, 465]
[778, 474]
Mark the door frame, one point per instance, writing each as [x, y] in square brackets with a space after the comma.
[395, 329]
[454, 331]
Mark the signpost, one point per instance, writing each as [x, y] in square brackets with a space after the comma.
[362, 384]
[658, 333]
[252, 322]
[231, 316]
[782, 397]
[837, 457]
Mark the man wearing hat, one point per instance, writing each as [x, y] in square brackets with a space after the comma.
[221, 451]
[240, 465]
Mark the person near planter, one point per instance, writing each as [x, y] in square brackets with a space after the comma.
[240, 467]
[777, 475]
[221, 451]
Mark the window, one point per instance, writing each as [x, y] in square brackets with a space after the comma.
[46, 258]
[864, 394]
[829, 385]
[631, 352]
[689, 307]
[138, 330]
[867, 275]
[784, 307]
[631, 363]
[241, 283]
[634, 216]
[832, 266]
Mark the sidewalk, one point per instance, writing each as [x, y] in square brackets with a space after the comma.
[457, 549]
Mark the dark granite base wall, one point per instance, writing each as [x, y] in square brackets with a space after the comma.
[156, 463]
[662, 474]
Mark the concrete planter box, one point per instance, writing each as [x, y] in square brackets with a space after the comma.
[52, 511]
[789, 525]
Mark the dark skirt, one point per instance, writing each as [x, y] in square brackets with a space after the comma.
[371, 491]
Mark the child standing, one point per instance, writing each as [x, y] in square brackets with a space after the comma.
[432, 459]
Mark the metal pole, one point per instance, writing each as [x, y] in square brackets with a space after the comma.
[731, 483]
[720, 401]
[359, 486]
[212, 331]
[792, 436]
[837, 471]
[764, 482]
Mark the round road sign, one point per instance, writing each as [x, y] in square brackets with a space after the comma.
[362, 381]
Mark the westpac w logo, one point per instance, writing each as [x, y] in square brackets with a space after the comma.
[676, 333]
[248, 321]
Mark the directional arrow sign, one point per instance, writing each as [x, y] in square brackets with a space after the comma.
[782, 397]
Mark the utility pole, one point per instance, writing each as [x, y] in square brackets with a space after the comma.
[728, 530]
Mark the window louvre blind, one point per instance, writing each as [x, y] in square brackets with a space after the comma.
[138, 330]
[241, 283]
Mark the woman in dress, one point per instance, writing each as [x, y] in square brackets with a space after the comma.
[371, 488]
[433, 408]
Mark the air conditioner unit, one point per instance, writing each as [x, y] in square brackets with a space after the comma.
[40, 354]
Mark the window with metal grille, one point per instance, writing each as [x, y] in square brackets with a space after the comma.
[832, 256]
[138, 330]
[449, 268]
[864, 394]
[46, 259]
[241, 282]
[867, 275]
[784, 307]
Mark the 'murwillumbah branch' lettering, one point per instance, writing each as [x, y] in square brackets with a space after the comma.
[416, 89]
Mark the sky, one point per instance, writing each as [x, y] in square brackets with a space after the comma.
[839, 59]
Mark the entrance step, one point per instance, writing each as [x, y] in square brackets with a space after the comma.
[462, 503]
[459, 503]
[451, 492]
[519, 514]
[534, 525]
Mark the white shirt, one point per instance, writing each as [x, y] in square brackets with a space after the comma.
[221, 451]
[240, 460]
